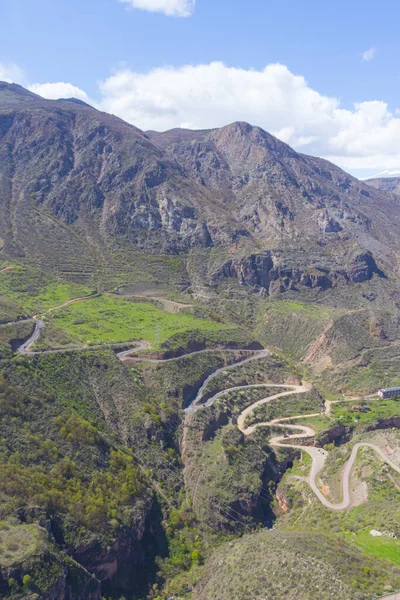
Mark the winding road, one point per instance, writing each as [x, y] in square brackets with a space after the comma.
[195, 405]
[318, 455]
[24, 348]
[7, 268]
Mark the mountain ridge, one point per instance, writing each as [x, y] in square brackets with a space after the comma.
[236, 192]
[385, 184]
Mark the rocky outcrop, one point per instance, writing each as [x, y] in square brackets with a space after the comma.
[282, 499]
[386, 184]
[75, 584]
[125, 552]
[269, 272]
[65, 579]
[363, 268]
[389, 423]
[337, 435]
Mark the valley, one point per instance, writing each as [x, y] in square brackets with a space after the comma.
[194, 326]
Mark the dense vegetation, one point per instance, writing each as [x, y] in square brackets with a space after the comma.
[97, 466]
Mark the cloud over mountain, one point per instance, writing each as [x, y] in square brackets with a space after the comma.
[53, 91]
[281, 102]
[212, 95]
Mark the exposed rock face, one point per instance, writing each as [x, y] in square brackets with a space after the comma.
[72, 582]
[338, 435]
[269, 271]
[66, 589]
[277, 194]
[237, 188]
[282, 499]
[106, 563]
[90, 169]
[389, 423]
[386, 184]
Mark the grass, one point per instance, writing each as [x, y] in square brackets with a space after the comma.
[379, 409]
[381, 547]
[33, 294]
[318, 423]
[270, 369]
[287, 406]
[301, 466]
[20, 541]
[112, 320]
[294, 566]
[378, 511]
[311, 310]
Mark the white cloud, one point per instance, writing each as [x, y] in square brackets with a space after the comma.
[171, 8]
[213, 95]
[53, 91]
[368, 55]
[11, 74]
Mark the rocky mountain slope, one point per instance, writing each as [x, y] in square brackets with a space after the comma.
[93, 186]
[385, 184]
[109, 489]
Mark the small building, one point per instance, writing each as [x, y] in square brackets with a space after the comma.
[389, 392]
[357, 407]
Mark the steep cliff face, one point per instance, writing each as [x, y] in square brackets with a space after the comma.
[94, 172]
[126, 552]
[34, 565]
[271, 272]
[385, 184]
[280, 196]
[68, 587]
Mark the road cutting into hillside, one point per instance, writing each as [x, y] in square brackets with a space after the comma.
[9, 268]
[318, 455]
[171, 306]
[69, 302]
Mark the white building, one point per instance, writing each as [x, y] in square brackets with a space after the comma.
[389, 392]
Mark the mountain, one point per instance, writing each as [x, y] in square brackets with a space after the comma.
[95, 187]
[288, 266]
[386, 184]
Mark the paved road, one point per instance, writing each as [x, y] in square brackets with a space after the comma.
[140, 346]
[196, 404]
[124, 356]
[24, 348]
[292, 389]
[318, 455]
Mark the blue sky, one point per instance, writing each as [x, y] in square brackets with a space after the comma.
[150, 66]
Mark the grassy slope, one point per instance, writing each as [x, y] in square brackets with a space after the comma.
[294, 566]
[109, 320]
[34, 293]
[60, 452]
